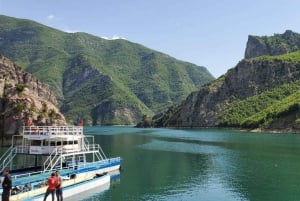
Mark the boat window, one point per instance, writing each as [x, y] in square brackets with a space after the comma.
[36, 142]
[73, 142]
[58, 143]
[52, 143]
[65, 142]
[45, 143]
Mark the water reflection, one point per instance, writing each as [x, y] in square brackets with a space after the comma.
[208, 184]
[169, 164]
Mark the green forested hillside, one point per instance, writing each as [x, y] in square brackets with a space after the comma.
[266, 108]
[262, 109]
[103, 81]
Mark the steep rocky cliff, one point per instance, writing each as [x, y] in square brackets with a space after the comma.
[277, 44]
[23, 99]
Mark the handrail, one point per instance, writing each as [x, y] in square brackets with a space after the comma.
[9, 155]
[52, 130]
[49, 159]
[4, 155]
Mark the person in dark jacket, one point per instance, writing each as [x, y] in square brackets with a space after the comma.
[6, 185]
[59, 191]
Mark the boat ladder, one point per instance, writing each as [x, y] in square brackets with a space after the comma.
[7, 157]
[51, 161]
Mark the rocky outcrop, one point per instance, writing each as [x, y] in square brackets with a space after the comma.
[278, 44]
[24, 98]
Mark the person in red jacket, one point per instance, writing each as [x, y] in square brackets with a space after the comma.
[52, 183]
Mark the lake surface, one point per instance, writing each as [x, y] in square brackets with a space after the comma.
[200, 165]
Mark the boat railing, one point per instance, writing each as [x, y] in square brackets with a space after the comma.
[54, 156]
[52, 130]
[91, 147]
[102, 153]
[22, 148]
[100, 163]
[21, 179]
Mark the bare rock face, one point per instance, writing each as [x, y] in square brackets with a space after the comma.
[23, 99]
[255, 47]
[277, 44]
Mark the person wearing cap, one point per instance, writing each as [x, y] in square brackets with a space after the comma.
[52, 183]
[6, 185]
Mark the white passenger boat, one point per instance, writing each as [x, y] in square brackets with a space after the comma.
[39, 151]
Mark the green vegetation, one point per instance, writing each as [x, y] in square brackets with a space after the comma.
[262, 109]
[84, 71]
[20, 87]
[286, 106]
[269, 106]
[291, 58]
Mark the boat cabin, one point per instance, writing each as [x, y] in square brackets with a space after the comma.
[51, 147]
[46, 139]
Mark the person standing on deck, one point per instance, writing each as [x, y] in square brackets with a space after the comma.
[52, 183]
[59, 192]
[6, 185]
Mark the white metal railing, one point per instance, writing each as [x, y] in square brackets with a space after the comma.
[57, 155]
[53, 130]
[22, 148]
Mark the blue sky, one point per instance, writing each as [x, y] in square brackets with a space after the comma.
[210, 33]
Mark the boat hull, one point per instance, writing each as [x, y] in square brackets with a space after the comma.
[72, 191]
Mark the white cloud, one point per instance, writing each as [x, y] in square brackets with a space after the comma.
[114, 37]
[70, 31]
[50, 17]
[104, 37]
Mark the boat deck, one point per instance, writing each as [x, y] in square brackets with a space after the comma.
[37, 177]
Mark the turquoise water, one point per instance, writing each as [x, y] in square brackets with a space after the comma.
[200, 165]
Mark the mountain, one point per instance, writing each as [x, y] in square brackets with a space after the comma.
[259, 93]
[24, 98]
[102, 81]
